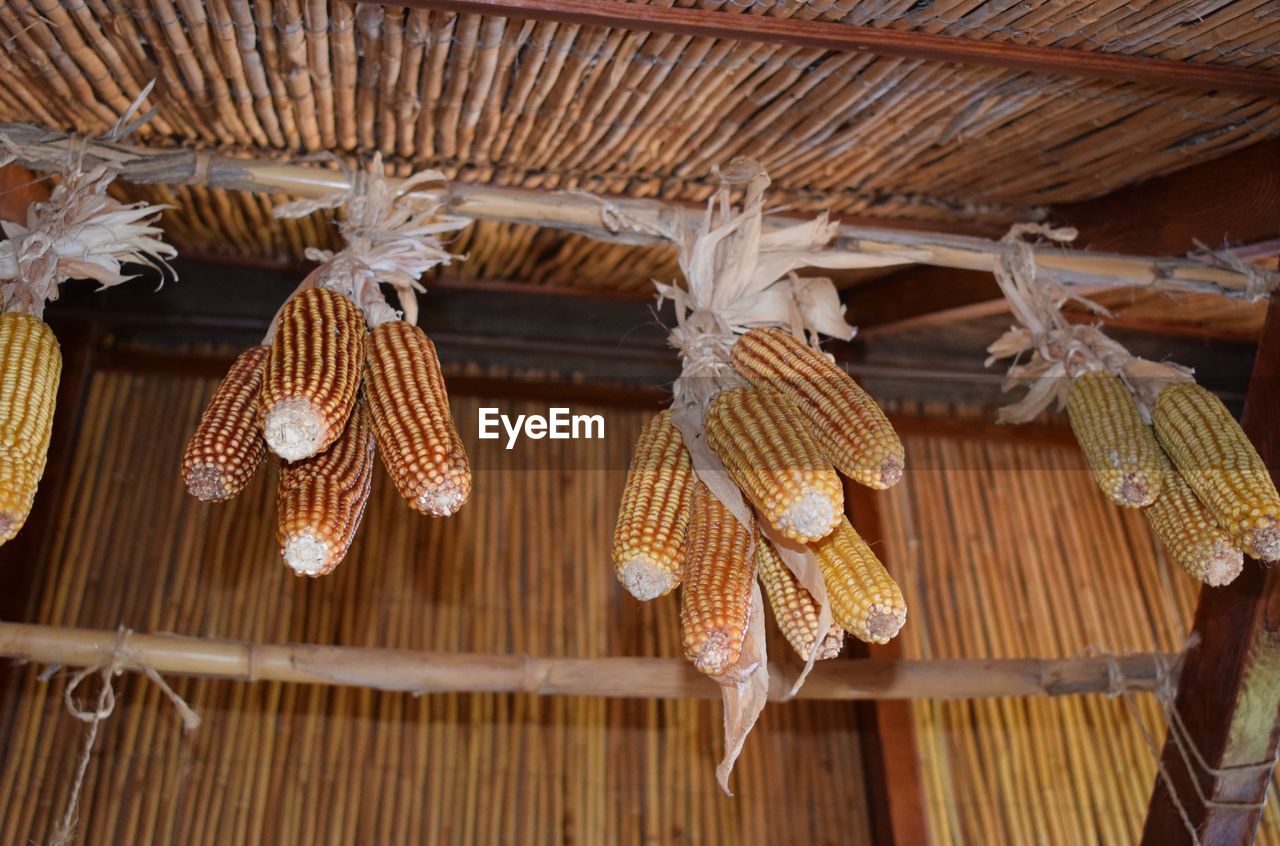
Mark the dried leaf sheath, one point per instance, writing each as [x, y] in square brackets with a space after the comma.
[848, 424]
[648, 542]
[1217, 460]
[715, 599]
[30, 368]
[1118, 444]
[321, 500]
[773, 458]
[227, 448]
[1189, 533]
[312, 373]
[794, 610]
[865, 600]
[419, 444]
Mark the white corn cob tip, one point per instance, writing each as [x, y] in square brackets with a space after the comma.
[811, 516]
[305, 554]
[714, 653]
[644, 579]
[890, 472]
[883, 624]
[1265, 541]
[293, 430]
[1223, 565]
[204, 482]
[442, 501]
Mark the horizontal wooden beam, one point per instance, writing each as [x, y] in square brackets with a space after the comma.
[842, 37]
[614, 219]
[644, 678]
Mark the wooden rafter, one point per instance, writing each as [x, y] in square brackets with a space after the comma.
[1229, 691]
[884, 42]
[661, 678]
[619, 220]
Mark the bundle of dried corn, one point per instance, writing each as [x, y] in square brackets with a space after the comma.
[1202, 485]
[78, 233]
[739, 481]
[298, 393]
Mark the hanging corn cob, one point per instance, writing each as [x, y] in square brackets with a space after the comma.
[416, 437]
[1190, 534]
[774, 459]
[30, 365]
[78, 233]
[865, 600]
[1215, 457]
[321, 500]
[312, 373]
[648, 543]
[1118, 445]
[849, 425]
[794, 610]
[771, 443]
[226, 448]
[715, 600]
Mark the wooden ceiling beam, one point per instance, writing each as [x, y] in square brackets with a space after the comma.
[822, 35]
[1228, 694]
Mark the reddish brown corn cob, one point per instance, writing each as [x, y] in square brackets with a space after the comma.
[320, 500]
[419, 444]
[1118, 444]
[715, 599]
[312, 373]
[775, 460]
[648, 543]
[227, 447]
[30, 369]
[794, 610]
[849, 425]
[1203, 548]
[865, 600]
[1215, 456]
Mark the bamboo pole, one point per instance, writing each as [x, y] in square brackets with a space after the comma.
[657, 678]
[581, 213]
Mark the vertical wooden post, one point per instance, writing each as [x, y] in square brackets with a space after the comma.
[1229, 690]
[891, 758]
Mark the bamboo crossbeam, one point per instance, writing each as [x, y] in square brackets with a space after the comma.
[651, 678]
[581, 213]
[844, 37]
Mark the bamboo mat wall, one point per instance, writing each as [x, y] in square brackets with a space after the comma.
[523, 567]
[1006, 550]
[559, 106]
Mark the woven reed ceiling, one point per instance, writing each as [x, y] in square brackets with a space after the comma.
[561, 106]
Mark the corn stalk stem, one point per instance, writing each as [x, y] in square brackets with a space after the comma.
[650, 678]
[618, 220]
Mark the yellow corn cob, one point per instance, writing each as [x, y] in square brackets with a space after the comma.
[227, 447]
[1118, 444]
[865, 600]
[320, 500]
[849, 425]
[775, 460]
[794, 610]
[30, 367]
[715, 599]
[1214, 455]
[648, 543]
[1192, 538]
[312, 373]
[416, 437]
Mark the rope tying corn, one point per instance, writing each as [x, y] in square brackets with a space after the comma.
[109, 667]
[393, 237]
[1058, 352]
[1259, 281]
